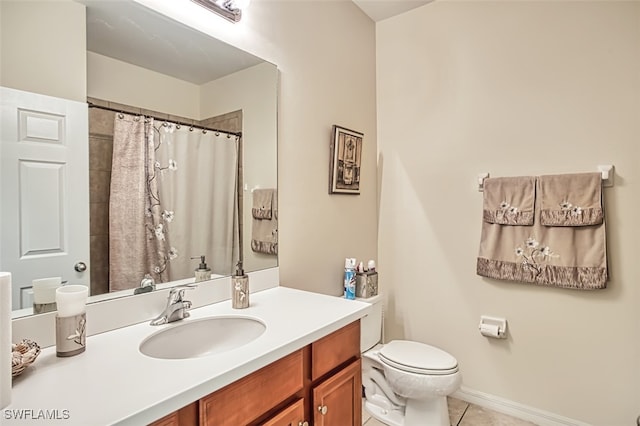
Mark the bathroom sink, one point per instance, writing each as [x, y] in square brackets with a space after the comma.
[202, 337]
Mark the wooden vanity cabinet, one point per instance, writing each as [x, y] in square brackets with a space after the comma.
[318, 385]
[186, 416]
[337, 378]
[249, 398]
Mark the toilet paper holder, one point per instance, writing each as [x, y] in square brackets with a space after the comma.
[493, 327]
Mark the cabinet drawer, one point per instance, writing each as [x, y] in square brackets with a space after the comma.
[169, 420]
[293, 415]
[335, 349]
[254, 395]
[186, 416]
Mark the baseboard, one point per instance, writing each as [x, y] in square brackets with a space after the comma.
[515, 409]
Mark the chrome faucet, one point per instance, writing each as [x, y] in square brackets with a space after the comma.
[176, 308]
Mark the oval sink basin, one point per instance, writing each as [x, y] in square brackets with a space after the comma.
[202, 337]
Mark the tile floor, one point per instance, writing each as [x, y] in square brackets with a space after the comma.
[462, 413]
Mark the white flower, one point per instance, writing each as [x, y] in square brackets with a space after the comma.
[513, 210]
[167, 216]
[173, 165]
[173, 253]
[576, 211]
[565, 205]
[504, 205]
[532, 243]
[156, 269]
[159, 231]
[519, 251]
[157, 165]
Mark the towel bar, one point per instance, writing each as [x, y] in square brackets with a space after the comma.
[606, 170]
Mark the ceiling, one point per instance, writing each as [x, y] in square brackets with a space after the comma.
[383, 9]
[132, 33]
[128, 31]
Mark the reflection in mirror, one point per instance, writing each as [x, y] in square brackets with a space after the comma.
[139, 62]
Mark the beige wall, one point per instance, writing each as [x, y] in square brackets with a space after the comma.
[128, 84]
[511, 88]
[59, 68]
[254, 91]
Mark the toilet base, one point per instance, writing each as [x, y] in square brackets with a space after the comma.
[430, 411]
[424, 412]
[388, 417]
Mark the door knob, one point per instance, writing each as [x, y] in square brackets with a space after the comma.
[323, 409]
[80, 267]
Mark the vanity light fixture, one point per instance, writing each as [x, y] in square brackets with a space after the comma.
[228, 9]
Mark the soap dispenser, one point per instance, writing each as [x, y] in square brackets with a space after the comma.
[239, 288]
[203, 272]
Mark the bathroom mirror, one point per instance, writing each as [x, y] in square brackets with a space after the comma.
[125, 36]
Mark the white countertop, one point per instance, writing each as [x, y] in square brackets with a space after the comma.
[113, 383]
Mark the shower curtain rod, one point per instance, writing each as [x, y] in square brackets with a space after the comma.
[182, 123]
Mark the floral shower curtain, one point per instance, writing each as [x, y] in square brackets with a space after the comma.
[135, 246]
[173, 199]
[198, 189]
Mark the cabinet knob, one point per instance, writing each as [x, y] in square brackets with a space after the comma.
[323, 409]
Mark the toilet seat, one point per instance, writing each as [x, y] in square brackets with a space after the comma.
[419, 358]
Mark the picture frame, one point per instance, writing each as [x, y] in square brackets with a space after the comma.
[345, 162]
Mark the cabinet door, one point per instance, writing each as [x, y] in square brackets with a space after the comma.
[338, 400]
[293, 415]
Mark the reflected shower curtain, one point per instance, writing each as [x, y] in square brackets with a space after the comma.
[198, 191]
[136, 240]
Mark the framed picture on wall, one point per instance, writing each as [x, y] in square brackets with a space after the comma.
[346, 153]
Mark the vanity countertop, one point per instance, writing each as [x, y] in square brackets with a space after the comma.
[113, 383]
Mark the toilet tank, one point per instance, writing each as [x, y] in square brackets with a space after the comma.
[371, 324]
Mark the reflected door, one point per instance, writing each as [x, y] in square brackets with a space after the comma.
[44, 189]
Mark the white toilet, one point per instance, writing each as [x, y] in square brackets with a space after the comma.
[405, 383]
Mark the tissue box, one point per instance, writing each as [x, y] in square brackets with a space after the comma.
[366, 284]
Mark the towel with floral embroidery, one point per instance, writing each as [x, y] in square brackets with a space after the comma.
[571, 199]
[509, 200]
[262, 203]
[551, 255]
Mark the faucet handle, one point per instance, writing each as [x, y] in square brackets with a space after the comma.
[177, 293]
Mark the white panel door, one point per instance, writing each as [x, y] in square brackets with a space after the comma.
[44, 189]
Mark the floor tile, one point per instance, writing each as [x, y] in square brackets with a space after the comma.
[478, 416]
[457, 408]
[365, 415]
[374, 422]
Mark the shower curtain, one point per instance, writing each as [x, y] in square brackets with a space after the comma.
[173, 199]
[199, 191]
[136, 241]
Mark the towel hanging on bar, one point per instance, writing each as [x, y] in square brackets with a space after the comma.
[562, 256]
[509, 200]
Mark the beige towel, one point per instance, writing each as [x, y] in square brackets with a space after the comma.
[264, 232]
[262, 203]
[562, 256]
[509, 200]
[571, 199]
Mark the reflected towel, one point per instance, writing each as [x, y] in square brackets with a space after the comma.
[509, 200]
[263, 203]
[571, 199]
[264, 232]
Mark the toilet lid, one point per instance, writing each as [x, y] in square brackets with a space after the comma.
[418, 358]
